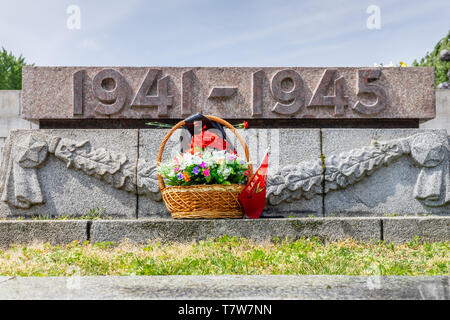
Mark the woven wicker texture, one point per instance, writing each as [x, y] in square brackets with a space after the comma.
[203, 201]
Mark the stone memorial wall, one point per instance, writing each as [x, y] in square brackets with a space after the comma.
[319, 172]
[333, 172]
[231, 93]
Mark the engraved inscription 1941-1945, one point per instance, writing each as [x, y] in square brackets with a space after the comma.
[233, 93]
[111, 90]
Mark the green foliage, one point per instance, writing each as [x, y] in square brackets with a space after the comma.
[204, 167]
[432, 59]
[92, 214]
[228, 255]
[95, 214]
[11, 71]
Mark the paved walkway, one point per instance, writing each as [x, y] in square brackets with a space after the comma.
[225, 287]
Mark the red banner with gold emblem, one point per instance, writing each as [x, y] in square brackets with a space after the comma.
[253, 197]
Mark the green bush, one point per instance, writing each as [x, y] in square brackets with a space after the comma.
[10, 71]
[432, 59]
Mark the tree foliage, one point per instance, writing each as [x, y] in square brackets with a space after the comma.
[432, 59]
[10, 70]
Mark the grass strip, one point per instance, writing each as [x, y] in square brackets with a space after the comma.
[227, 255]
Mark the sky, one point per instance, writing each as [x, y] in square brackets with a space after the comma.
[254, 33]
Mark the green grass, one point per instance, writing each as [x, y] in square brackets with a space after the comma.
[227, 255]
[92, 214]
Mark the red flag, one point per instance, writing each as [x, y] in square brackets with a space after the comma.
[253, 197]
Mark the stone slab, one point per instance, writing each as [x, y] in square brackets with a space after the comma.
[10, 111]
[63, 190]
[230, 287]
[54, 232]
[392, 229]
[244, 92]
[8, 124]
[400, 186]
[10, 115]
[149, 143]
[10, 103]
[405, 173]
[288, 147]
[328, 229]
[406, 229]
[442, 120]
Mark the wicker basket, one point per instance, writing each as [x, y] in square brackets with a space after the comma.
[203, 201]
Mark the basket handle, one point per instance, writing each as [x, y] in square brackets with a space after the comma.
[213, 118]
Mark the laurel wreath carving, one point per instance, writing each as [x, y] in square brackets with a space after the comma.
[147, 182]
[112, 167]
[350, 167]
[308, 179]
[291, 183]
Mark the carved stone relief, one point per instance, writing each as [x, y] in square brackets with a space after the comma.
[19, 185]
[430, 151]
[229, 92]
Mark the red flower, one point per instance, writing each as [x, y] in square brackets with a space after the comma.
[243, 125]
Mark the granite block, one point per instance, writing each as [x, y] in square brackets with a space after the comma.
[425, 229]
[8, 124]
[407, 175]
[262, 289]
[327, 229]
[78, 176]
[238, 92]
[149, 143]
[54, 232]
[70, 172]
[10, 103]
[442, 119]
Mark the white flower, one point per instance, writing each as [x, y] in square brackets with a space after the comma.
[197, 159]
[219, 155]
[208, 158]
[187, 160]
[224, 171]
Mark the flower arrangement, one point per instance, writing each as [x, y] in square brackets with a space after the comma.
[204, 166]
[206, 180]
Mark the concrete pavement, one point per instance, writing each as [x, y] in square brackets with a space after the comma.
[226, 287]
